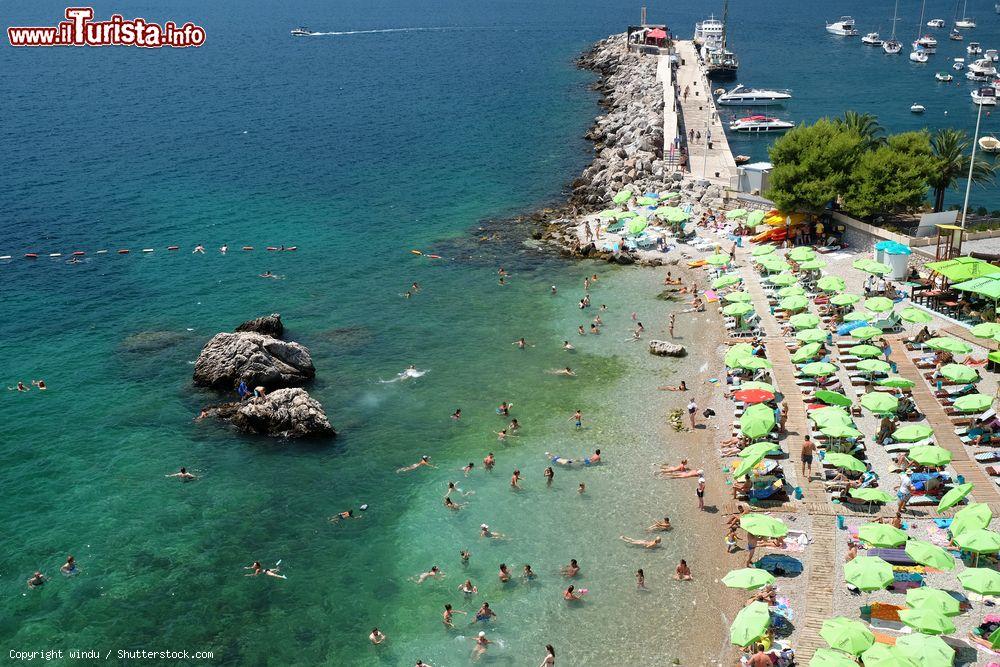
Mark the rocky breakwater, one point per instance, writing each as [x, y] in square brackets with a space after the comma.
[272, 370]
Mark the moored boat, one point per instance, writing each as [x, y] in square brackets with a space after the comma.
[958, 65]
[745, 97]
[985, 96]
[917, 108]
[918, 56]
[942, 76]
[871, 39]
[892, 47]
[989, 144]
[974, 49]
[935, 23]
[755, 124]
[956, 35]
[843, 27]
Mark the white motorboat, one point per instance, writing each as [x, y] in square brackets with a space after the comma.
[965, 23]
[741, 96]
[992, 54]
[958, 65]
[989, 144]
[843, 27]
[956, 35]
[943, 76]
[974, 49]
[302, 31]
[711, 32]
[935, 23]
[872, 39]
[917, 108]
[985, 96]
[927, 43]
[918, 56]
[981, 70]
[756, 124]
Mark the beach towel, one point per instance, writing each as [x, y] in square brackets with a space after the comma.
[711, 296]
[780, 565]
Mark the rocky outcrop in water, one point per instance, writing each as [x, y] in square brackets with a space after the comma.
[254, 358]
[662, 348]
[269, 325]
[283, 413]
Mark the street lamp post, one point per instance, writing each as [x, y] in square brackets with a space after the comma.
[972, 163]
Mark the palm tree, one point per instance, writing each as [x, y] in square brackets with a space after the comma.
[949, 147]
[865, 125]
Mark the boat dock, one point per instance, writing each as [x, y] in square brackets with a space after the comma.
[710, 157]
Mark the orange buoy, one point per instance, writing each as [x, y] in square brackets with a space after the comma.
[123, 252]
[78, 253]
[434, 256]
[31, 255]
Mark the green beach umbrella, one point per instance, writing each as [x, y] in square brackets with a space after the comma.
[866, 351]
[669, 195]
[801, 254]
[764, 447]
[833, 398]
[857, 316]
[636, 225]
[982, 580]
[626, 215]
[840, 431]
[752, 363]
[928, 621]
[926, 650]
[757, 421]
[717, 260]
[879, 404]
[829, 415]
[762, 250]
[912, 433]
[622, 197]
[929, 455]
[994, 356]
[791, 290]
[868, 573]
[994, 638]
[883, 655]
[871, 495]
[878, 304]
[974, 516]
[738, 297]
[782, 279]
[871, 266]
[830, 283]
[933, 598]
[844, 461]
[979, 541]
[748, 578]
[819, 369]
[914, 315]
[874, 366]
[812, 335]
[806, 353]
[881, 535]
[813, 265]
[754, 384]
[737, 352]
[736, 213]
[930, 555]
[725, 281]
[754, 218]
[845, 299]
[986, 330]
[608, 214]
[747, 465]
[949, 344]
[847, 635]
[645, 201]
[677, 215]
[897, 381]
[750, 624]
[973, 403]
[865, 333]
[737, 309]
[828, 657]
[959, 373]
[794, 303]
[772, 264]
[762, 525]
[954, 496]
[803, 321]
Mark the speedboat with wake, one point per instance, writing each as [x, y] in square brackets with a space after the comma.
[843, 27]
[302, 31]
[741, 96]
[757, 124]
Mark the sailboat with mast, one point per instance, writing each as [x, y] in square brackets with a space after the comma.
[721, 63]
[891, 45]
[965, 21]
[922, 46]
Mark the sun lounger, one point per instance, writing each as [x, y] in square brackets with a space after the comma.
[893, 556]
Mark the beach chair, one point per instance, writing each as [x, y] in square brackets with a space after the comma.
[891, 324]
[616, 227]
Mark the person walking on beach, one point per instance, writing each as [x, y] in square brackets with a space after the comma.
[808, 449]
[692, 409]
[700, 491]
[751, 547]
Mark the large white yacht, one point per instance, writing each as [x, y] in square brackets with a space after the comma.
[757, 124]
[741, 96]
[709, 33]
[985, 96]
[843, 27]
[981, 70]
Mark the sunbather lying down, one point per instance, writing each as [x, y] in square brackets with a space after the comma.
[679, 474]
[681, 467]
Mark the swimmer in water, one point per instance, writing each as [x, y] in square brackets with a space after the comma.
[464, 556]
[570, 594]
[683, 572]
[376, 636]
[482, 643]
[640, 579]
[660, 525]
[484, 531]
[504, 409]
[577, 419]
[69, 567]
[571, 570]
[521, 343]
[199, 249]
[183, 475]
[37, 579]
[40, 384]
[344, 516]
[435, 571]
[568, 372]
[457, 414]
[648, 544]
[467, 588]
[566, 346]
[594, 330]
[489, 461]
[424, 461]
[595, 457]
[504, 573]
[268, 274]
[260, 569]
[553, 290]
[513, 426]
[502, 435]
[515, 480]
[580, 330]
[224, 249]
[485, 614]
[415, 287]
[549, 475]
[528, 574]
[452, 505]
[447, 616]
[468, 468]
[19, 387]
[582, 488]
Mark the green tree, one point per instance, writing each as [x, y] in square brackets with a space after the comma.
[892, 177]
[812, 165]
[950, 149]
[865, 125]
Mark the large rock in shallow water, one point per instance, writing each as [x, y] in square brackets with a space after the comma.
[269, 325]
[662, 348]
[283, 413]
[254, 358]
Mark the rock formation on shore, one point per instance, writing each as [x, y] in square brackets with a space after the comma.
[662, 348]
[269, 325]
[254, 358]
[283, 413]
